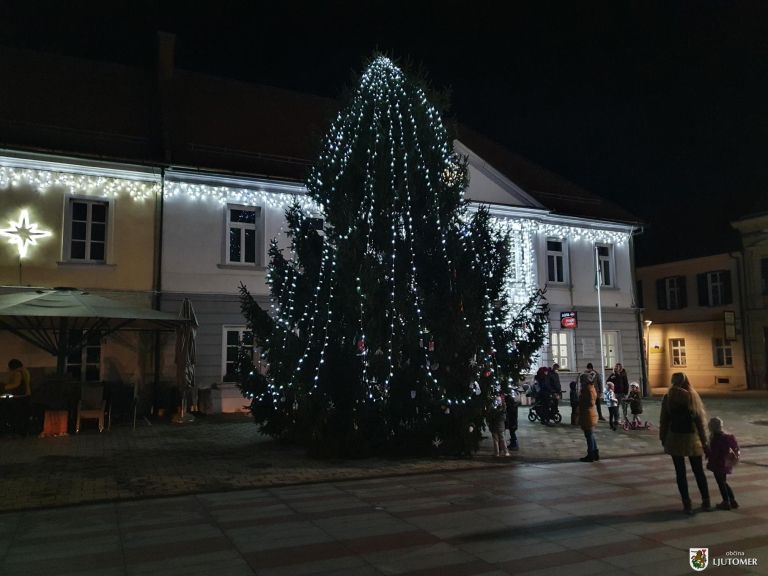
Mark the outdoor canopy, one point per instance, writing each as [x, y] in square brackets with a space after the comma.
[45, 318]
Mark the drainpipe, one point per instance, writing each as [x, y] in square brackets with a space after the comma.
[745, 340]
[644, 369]
[157, 281]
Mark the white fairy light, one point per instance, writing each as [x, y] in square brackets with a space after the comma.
[77, 183]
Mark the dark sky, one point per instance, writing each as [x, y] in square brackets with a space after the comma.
[659, 106]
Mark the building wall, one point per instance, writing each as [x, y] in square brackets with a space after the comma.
[43, 186]
[129, 263]
[194, 241]
[699, 366]
[754, 237]
[697, 324]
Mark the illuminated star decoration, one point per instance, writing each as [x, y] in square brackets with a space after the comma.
[23, 233]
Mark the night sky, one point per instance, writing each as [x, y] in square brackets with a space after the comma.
[661, 107]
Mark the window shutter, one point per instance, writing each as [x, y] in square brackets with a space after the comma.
[703, 292]
[727, 292]
[661, 294]
[683, 288]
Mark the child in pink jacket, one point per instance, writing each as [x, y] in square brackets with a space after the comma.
[723, 452]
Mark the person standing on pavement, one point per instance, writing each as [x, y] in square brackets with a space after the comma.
[613, 406]
[495, 417]
[512, 400]
[573, 396]
[555, 387]
[681, 431]
[588, 416]
[723, 453]
[544, 394]
[620, 386]
[597, 381]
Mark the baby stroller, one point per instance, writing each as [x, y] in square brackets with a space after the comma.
[542, 407]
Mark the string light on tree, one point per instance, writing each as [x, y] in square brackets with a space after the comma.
[376, 322]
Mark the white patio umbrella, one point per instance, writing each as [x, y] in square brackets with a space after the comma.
[185, 359]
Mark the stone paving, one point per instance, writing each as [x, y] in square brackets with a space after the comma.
[219, 454]
[252, 507]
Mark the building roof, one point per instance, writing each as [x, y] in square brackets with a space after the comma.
[174, 117]
[551, 190]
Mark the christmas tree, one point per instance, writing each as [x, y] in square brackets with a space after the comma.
[390, 330]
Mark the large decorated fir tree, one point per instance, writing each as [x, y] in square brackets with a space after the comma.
[390, 330]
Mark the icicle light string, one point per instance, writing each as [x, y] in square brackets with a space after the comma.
[74, 183]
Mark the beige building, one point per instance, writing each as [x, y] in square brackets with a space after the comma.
[694, 323]
[754, 240]
[82, 224]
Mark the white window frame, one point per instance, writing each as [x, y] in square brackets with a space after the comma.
[83, 357]
[225, 346]
[562, 339]
[612, 337]
[677, 351]
[70, 200]
[715, 283]
[611, 266]
[722, 348]
[259, 232]
[562, 255]
[672, 292]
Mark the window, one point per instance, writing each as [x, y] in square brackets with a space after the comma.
[764, 274]
[561, 347]
[715, 288]
[555, 260]
[605, 264]
[722, 352]
[87, 230]
[677, 351]
[236, 337]
[671, 293]
[244, 235]
[611, 348]
[84, 365]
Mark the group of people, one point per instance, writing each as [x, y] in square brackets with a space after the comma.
[546, 393]
[618, 392]
[681, 431]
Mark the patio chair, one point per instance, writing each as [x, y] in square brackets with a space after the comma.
[91, 406]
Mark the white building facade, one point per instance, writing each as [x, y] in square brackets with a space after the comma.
[216, 233]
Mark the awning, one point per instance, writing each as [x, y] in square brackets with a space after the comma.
[46, 318]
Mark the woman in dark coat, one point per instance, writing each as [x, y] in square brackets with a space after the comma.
[681, 431]
[588, 416]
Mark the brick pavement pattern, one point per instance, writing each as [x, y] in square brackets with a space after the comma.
[527, 514]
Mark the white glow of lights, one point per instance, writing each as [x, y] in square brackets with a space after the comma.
[23, 233]
[86, 184]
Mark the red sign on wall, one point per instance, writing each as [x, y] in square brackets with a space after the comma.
[568, 320]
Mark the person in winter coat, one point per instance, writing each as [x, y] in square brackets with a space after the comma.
[597, 380]
[573, 397]
[495, 417]
[588, 416]
[721, 445]
[635, 402]
[512, 400]
[613, 406]
[681, 431]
